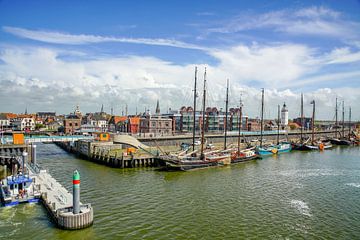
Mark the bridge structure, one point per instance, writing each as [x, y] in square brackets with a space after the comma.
[129, 140]
[48, 139]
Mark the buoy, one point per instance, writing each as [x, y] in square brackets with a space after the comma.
[321, 146]
[76, 192]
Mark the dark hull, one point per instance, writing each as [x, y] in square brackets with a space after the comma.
[303, 147]
[192, 164]
[340, 142]
[188, 167]
[244, 159]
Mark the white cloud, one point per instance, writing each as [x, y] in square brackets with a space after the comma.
[319, 21]
[66, 38]
[45, 81]
[342, 55]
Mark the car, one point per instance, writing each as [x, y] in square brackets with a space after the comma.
[197, 142]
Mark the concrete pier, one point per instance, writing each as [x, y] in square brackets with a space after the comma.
[59, 203]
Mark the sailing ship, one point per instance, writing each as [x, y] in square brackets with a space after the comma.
[341, 141]
[280, 147]
[195, 160]
[305, 146]
[237, 155]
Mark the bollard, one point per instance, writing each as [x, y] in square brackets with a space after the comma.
[24, 157]
[33, 155]
[76, 192]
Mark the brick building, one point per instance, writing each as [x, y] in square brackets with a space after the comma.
[71, 124]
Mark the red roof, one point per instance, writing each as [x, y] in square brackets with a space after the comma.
[135, 120]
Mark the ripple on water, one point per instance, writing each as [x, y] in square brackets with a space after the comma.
[357, 185]
[301, 207]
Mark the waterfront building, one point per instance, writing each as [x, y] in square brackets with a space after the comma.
[45, 115]
[4, 121]
[87, 129]
[72, 123]
[54, 125]
[154, 126]
[23, 122]
[134, 125]
[306, 122]
[117, 124]
[100, 122]
[39, 120]
[253, 125]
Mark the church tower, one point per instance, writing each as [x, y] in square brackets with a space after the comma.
[157, 111]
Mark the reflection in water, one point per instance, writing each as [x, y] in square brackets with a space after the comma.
[296, 195]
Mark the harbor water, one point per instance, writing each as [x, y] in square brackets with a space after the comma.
[299, 195]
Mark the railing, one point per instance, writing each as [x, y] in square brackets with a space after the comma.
[35, 139]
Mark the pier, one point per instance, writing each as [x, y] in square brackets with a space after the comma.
[59, 203]
[102, 154]
[64, 208]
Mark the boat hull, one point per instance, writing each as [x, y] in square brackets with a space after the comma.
[195, 163]
[272, 150]
[340, 142]
[244, 159]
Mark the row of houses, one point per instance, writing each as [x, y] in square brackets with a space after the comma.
[30, 122]
[146, 124]
[175, 122]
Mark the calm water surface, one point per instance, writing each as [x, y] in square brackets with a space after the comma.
[293, 196]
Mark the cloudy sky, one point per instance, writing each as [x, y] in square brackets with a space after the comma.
[57, 54]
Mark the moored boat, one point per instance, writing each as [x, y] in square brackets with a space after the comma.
[244, 156]
[18, 189]
[274, 149]
[196, 161]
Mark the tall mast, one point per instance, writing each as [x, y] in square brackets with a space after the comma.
[203, 119]
[349, 122]
[194, 123]
[226, 112]
[313, 122]
[302, 118]
[278, 125]
[240, 124]
[262, 117]
[336, 118]
[343, 119]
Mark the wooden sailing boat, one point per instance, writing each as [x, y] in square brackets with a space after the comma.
[341, 141]
[314, 145]
[301, 145]
[271, 149]
[237, 155]
[196, 161]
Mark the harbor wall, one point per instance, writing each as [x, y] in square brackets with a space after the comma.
[102, 153]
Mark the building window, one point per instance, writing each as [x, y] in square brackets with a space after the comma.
[70, 124]
[76, 124]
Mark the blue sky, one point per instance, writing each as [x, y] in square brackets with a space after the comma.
[56, 54]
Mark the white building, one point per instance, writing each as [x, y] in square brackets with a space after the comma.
[4, 121]
[284, 116]
[24, 124]
[99, 122]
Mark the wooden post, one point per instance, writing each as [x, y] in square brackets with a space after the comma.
[122, 160]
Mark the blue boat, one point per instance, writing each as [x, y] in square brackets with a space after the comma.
[18, 189]
[274, 149]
